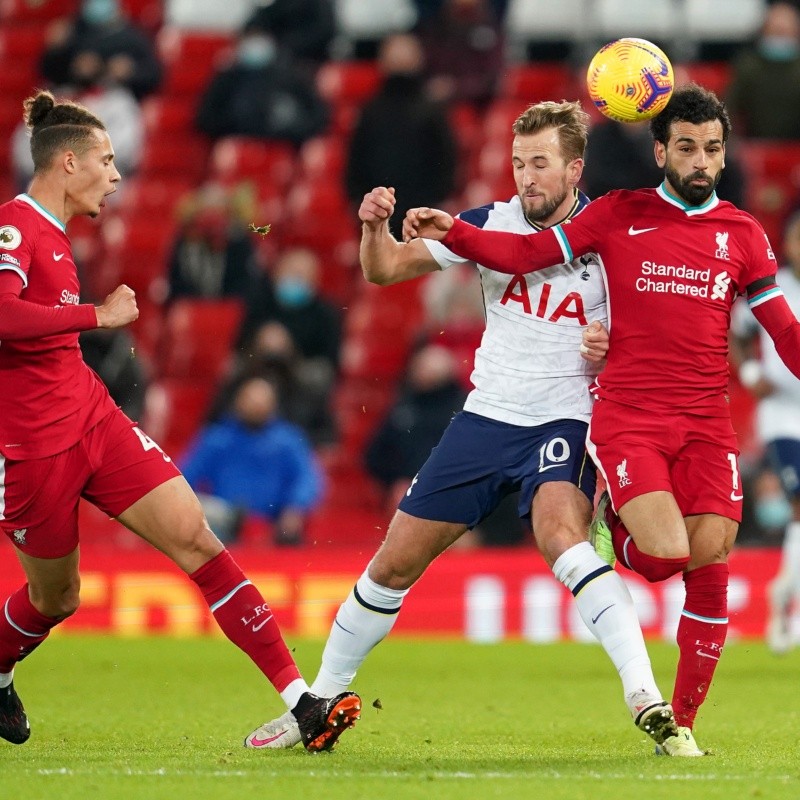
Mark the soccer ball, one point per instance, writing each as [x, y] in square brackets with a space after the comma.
[630, 80]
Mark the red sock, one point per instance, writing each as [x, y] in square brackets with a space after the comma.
[245, 618]
[652, 568]
[22, 629]
[701, 635]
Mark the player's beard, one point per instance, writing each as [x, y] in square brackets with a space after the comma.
[541, 214]
[693, 195]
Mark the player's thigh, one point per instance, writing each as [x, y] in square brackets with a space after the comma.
[53, 583]
[138, 484]
[560, 516]
[711, 539]
[171, 519]
[411, 544]
[39, 502]
[705, 475]
[656, 525]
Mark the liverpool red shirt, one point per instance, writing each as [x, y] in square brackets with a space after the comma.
[672, 272]
[49, 397]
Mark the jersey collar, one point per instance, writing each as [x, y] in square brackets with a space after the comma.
[691, 211]
[43, 211]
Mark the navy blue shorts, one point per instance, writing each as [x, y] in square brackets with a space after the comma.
[479, 461]
[784, 458]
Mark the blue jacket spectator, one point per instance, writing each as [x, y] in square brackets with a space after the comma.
[252, 462]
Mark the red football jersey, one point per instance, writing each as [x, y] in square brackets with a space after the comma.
[49, 397]
[672, 272]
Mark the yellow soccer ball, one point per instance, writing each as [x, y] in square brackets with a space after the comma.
[630, 80]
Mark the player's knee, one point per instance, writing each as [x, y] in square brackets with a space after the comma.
[58, 605]
[395, 573]
[655, 569]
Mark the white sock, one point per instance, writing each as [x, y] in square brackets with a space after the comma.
[606, 606]
[787, 583]
[6, 678]
[291, 694]
[362, 621]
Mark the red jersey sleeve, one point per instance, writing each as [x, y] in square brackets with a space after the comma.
[16, 244]
[518, 254]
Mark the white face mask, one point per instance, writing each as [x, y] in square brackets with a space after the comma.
[779, 48]
[256, 51]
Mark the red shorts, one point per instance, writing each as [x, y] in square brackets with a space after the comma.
[113, 466]
[695, 458]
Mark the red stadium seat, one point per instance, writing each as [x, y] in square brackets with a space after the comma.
[198, 337]
[348, 83]
[169, 115]
[21, 42]
[27, 11]
[323, 158]
[158, 195]
[240, 158]
[773, 184]
[185, 156]
[714, 75]
[190, 59]
[174, 411]
[532, 83]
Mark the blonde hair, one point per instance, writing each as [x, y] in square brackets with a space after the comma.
[569, 118]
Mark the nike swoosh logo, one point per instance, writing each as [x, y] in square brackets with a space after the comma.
[594, 619]
[257, 628]
[261, 742]
[735, 497]
[636, 231]
[551, 466]
[57, 257]
[707, 655]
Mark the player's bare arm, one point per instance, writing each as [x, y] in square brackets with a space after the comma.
[118, 309]
[426, 223]
[384, 260]
[594, 343]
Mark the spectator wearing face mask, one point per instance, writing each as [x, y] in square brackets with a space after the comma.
[263, 94]
[101, 33]
[291, 296]
[764, 94]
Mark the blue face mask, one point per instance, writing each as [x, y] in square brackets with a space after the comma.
[773, 512]
[779, 48]
[100, 12]
[255, 52]
[293, 293]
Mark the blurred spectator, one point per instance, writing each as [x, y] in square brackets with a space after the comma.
[112, 355]
[213, 255]
[303, 388]
[464, 52]
[304, 27]
[262, 94]
[105, 42]
[764, 93]
[291, 296]
[426, 9]
[402, 138]
[619, 155]
[778, 428]
[111, 102]
[208, 15]
[455, 316]
[253, 462]
[416, 421]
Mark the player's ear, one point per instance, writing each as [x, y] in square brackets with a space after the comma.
[575, 170]
[660, 153]
[70, 161]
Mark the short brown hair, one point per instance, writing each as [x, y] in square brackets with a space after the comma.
[56, 126]
[570, 119]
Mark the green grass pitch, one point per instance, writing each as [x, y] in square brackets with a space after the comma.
[164, 718]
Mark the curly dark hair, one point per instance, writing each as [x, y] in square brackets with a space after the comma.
[57, 125]
[690, 103]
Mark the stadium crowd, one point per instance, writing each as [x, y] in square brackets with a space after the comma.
[221, 305]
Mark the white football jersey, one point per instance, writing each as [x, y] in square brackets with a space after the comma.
[778, 415]
[528, 368]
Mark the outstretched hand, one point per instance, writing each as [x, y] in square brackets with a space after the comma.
[426, 223]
